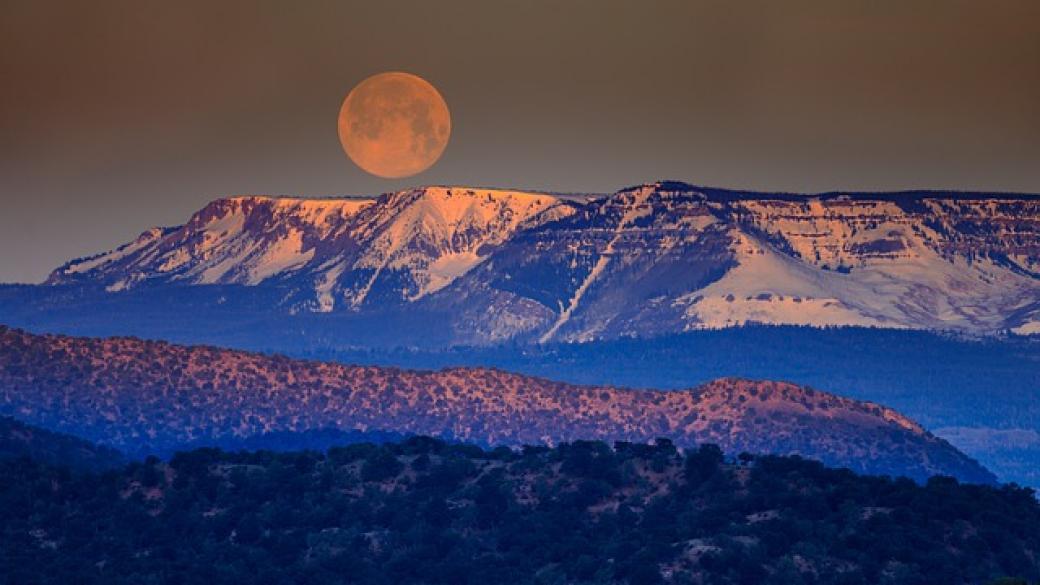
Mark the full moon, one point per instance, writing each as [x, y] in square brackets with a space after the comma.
[394, 125]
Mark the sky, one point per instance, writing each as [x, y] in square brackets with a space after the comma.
[117, 116]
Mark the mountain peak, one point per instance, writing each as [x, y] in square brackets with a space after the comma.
[305, 207]
[417, 241]
[662, 185]
[454, 201]
[423, 239]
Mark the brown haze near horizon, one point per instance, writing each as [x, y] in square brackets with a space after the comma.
[117, 116]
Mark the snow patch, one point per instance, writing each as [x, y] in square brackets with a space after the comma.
[285, 254]
[324, 287]
[444, 270]
[1030, 328]
[142, 241]
[636, 209]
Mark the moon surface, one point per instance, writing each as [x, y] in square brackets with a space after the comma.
[394, 125]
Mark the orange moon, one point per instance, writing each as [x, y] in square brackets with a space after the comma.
[394, 125]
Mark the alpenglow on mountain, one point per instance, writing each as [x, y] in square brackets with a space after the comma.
[480, 266]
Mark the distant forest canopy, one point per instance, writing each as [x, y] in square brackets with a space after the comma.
[425, 511]
[943, 382]
[21, 440]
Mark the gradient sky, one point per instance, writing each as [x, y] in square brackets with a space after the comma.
[116, 116]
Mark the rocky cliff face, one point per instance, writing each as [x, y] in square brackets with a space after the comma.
[495, 265]
[140, 395]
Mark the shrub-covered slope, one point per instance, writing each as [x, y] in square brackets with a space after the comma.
[151, 396]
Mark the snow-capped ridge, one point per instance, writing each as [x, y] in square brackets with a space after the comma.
[415, 241]
[433, 235]
[653, 258]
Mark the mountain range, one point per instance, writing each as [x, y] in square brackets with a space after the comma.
[152, 397]
[534, 277]
[459, 265]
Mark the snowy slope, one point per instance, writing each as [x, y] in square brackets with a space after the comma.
[420, 240]
[240, 240]
[668, 257]
[861, 263]
[404, 245]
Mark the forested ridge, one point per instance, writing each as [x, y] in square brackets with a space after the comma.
[425, 511]
[148, 397]
[987, 388]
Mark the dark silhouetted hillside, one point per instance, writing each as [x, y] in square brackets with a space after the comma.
[424, 511]
[21, 440]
